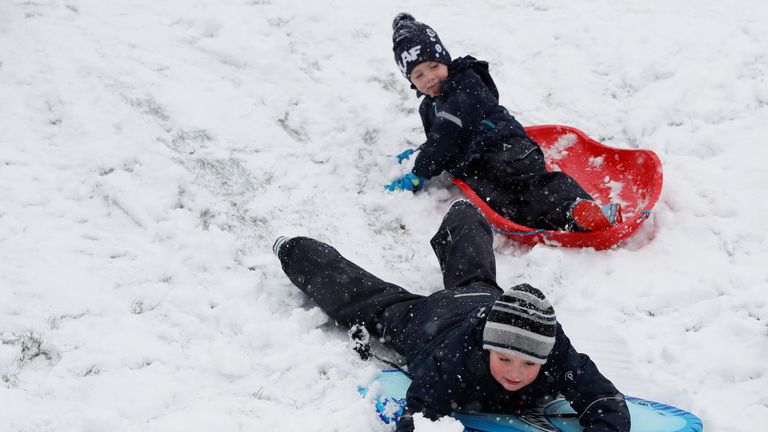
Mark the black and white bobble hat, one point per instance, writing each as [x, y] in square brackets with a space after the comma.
[414, 43]
[521, 323]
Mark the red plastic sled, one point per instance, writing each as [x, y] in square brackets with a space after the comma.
[632, 178]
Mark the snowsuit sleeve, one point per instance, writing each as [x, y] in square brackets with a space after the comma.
[429, 396]
[464, 102]
[601, 408]
[440, 379]
[434, 387]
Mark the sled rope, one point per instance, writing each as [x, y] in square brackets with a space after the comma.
[644, 215]
[522, 233]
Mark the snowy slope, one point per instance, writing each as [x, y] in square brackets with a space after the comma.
[150, 152]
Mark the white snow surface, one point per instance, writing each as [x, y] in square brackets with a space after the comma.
[151, 152]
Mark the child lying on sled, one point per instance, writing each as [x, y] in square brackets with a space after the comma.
[477, 140]
[469, 347]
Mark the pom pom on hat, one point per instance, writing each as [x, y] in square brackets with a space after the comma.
[402, 16]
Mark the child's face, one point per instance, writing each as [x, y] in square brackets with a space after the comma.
[427, 77]
[512, 372]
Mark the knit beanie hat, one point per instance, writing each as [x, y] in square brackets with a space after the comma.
[522, 323]
[414, 43]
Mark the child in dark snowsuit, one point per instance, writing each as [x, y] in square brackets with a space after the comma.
[477, 140]
[469, 347]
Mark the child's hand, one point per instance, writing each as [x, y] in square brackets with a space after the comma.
[405, 155]
[410, 182]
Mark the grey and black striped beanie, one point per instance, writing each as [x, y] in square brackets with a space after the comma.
[522, 323]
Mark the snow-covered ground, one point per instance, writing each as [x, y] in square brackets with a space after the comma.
[151, 151]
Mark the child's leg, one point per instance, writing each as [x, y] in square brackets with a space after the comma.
[464, 247]
[346, 292]
[522, 190]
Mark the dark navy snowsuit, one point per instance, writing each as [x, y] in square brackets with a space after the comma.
[440, 335]
[477, 140]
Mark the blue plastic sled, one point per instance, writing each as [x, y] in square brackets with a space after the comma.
[389, 387]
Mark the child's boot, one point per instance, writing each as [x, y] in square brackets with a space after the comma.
[460, 202]
[279, 244]
[590, 216]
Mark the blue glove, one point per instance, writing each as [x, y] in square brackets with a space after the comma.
[410, 182]
[405, 155]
